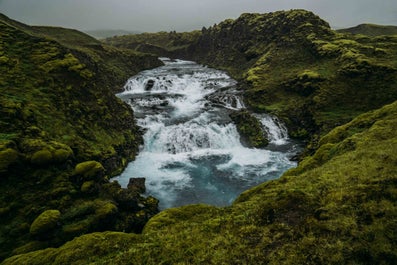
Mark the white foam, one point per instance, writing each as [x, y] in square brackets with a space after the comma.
[187, 136]
[275, 129]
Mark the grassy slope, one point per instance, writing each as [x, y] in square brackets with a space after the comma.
[58, 109]
[161, 43]
[337, 207]
[371, 30]
[107, 33]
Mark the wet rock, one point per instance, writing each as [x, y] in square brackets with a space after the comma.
[149, 85]
[250, 130]
[137, 184]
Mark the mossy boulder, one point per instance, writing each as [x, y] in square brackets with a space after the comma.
[45, 223]
[89, 216]
[7, 157]
[88, 187]
[61, 155]
[250, 129]
[41, 152]
[41, 157]
[89, 170]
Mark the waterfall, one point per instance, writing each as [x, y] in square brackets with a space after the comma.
[191, 151]
[276, 130]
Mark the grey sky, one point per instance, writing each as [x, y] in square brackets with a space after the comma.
[184, 15]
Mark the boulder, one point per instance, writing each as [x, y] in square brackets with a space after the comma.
[45, 223]
[137, 184]
[41, 157]
[7, 157]
[149, 85]
[89, 170]
[251, 133]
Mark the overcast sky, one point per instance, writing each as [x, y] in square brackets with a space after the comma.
[185, 15]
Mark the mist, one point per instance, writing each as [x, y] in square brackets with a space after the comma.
[183, 15]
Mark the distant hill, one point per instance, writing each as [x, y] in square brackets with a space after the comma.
[371, 30]
[102, 34]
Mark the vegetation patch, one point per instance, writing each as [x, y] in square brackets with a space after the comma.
[336, 207]
[58, 113]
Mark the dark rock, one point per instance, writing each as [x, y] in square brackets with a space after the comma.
[137, 184]
[149, 85]
[250, 130]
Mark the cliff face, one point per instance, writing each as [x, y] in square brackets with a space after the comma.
[237, 44]
[58, 109]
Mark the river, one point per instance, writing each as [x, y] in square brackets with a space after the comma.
[192, 152]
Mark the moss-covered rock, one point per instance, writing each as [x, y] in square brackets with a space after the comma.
[45, 223]
[250, 129]
[41, 157]
[7, 157]
[88, 187]
[89, 170]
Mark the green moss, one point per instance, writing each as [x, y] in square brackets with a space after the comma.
[250, 129]
[7, 157]
[89, 216]
[106, 210]
[41, 157]
[29, 247]
[61, 155]
[88, 187]
[89, 169]
[52, 118]
[338, 206]
[309, 74]
[45, 222]
[79, 250]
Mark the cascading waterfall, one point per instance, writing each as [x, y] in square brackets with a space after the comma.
[192, 152]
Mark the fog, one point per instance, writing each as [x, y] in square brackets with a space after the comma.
[185, 15]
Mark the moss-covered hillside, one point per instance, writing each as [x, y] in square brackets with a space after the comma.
[337, 207]
[62, 133]
[371, 30]
[292, 64]
[161, 43]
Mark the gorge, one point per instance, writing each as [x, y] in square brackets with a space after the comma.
[65, 135]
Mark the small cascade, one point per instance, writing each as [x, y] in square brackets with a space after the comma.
[275, 129]
[192, 151]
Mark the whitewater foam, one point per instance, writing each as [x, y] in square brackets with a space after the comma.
[192, 152]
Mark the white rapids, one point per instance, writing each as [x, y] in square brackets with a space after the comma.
[192, 152]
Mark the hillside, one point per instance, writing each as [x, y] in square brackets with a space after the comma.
[370, 30]
[102, 34]
[62, 134]
[337, 207]
[293, 65]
